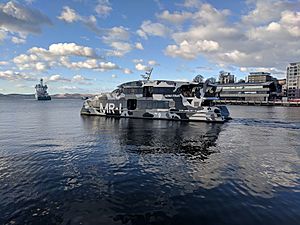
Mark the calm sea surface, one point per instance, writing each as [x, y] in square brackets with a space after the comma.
[57, 167]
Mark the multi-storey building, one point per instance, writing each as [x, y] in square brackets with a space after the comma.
[264, 91]
[259, 77]
[226, 78]
[293, 80]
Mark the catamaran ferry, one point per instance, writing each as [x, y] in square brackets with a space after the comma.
[159, 99]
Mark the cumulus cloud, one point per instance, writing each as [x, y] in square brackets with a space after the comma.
[81, 79]
[17, 18]
[139, 46]
[119, 48]
[149, 28]
[190, 50]
[118, 39]
[142, 67]
[266, 11]
[15, 76]
[191, 3]
[103, 8]
[61, 54]
[64, 49]
[58, 78]
[69, 15]
[116, 34]
[175, 17]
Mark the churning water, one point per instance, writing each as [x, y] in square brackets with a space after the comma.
[57, 167]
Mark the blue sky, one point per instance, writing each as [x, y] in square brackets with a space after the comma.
[84, 46]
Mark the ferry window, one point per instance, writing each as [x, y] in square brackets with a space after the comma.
[131, 104]
[147, 91]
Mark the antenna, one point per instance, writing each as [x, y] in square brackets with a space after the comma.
[147, 74]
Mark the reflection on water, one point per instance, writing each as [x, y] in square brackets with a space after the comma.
[147, 136]
[94, 170]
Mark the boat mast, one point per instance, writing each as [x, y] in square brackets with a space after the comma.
[147, 75]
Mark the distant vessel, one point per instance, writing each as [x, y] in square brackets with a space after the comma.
[159, 99]
[41, 92]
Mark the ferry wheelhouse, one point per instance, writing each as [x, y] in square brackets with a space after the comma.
[159, 99]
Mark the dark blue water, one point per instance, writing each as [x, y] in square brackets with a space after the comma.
[57, 167]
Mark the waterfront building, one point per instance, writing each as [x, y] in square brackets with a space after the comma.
[293, 80]
[282, 84]
[259, 77]
[265, 91]
[226, 78]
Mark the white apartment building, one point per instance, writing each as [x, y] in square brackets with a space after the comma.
[293, 80]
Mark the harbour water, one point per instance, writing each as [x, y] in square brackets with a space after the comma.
[57, 167]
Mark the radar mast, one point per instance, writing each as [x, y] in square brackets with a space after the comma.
[147, 75]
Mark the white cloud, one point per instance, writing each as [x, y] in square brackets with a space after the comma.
[64, 49]
[152, 29]
[114, 76]
[104, 66]
[176, 17]
[139, 46]
[142, 34]
[61, 54]
[116, 34]
[127, 71]
[243, 69]
[69, 15]
[15, 76]
[142, 67]
[190, 50]
[117, 38]
[81, 79]
[266, 11]
[58, 78]
[191, 3]
[152, 63]
[103, 8]
[119, 49]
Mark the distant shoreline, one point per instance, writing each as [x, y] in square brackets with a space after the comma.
[56, 96]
